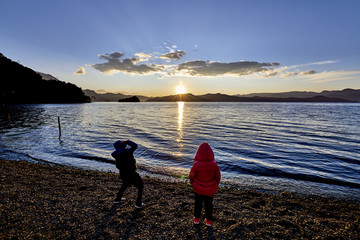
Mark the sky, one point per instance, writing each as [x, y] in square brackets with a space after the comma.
[144, 47]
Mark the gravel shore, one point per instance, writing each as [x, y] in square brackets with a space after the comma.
[41, 201]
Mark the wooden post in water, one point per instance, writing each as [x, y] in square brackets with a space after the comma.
[59, 127]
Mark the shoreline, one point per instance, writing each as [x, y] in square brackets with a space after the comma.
[59, 202]
[320, 189]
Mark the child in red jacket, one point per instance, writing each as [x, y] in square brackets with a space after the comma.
[205, 177]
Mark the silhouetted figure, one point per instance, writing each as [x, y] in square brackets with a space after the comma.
[205, 177]
[126, 163]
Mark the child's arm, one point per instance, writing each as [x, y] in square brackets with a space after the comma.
[133, 146]
[217, 174]
[192, 174]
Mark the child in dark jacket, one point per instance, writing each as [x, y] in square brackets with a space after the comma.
[126, 164]
[205, 177]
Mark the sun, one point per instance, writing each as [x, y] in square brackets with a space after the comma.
[180, 89]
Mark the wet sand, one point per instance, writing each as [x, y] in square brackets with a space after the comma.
[40, 201]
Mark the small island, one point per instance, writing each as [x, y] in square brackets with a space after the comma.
[130, 99]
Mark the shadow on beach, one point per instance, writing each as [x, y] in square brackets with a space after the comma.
[198, 233]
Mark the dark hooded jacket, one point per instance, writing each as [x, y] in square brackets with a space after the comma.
[205, 173]
[124, 157]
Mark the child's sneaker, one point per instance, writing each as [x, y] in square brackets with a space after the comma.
[139, 206]
[117, 200]
[196, 220]
[208, 222]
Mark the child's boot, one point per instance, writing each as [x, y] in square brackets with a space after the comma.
[208, 222]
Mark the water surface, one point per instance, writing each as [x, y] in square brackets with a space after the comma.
[303, 147]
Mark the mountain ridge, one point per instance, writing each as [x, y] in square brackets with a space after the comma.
[345, 95]
[109, 97]
[218, 97]
[20, 84]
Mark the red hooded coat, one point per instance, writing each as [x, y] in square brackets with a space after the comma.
[205, 173]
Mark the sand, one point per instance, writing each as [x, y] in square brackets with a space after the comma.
[40, 201]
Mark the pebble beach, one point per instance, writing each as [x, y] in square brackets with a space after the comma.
[42, 201]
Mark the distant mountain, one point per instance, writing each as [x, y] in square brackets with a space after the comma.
[346, 94]
[296, 94]
[218, 97]
[46, 76]
[188, 97]
[19, 84]
[109, 97]
[227, 98]
[103, 97]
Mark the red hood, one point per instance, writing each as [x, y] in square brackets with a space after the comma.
[204, 153]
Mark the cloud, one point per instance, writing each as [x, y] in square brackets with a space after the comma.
[198, 68]
[115, 56]
[80, 71]
[308, 72]
[271, 74]
[174, 55]
[309, 64]
[100, 91]
[324, 62]
[127, 65]
[170, 48]
[332, 76]
[143, 57]
[163, 64]
[285, 73]
[290, 74]
[203, 68]
[276, 64]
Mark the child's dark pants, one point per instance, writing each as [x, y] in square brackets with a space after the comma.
[208, 202]
[135, 180]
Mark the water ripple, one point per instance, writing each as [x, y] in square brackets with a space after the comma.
[266, 143]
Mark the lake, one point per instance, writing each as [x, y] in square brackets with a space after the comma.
[309, 148]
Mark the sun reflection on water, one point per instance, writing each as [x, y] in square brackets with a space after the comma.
[180, 120]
